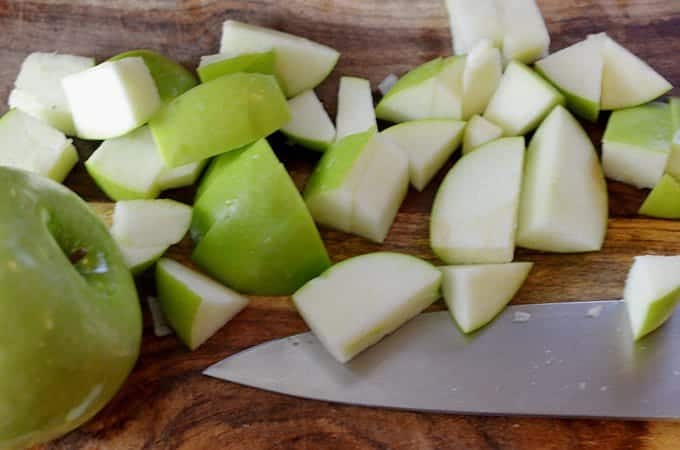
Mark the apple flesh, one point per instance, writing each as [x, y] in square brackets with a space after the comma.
[673, 163]
[136, 222]
[474, 216]
[215, 66]
[195, 306]
[139, 259]
[301, 64]
[472, 21]
[652, 292]
[28, 143]
[355, 107]
[447, 97]
[478, 132]
[70, 320]
[177, 177]
[563, 206]
[310, 125]
[482, 73]
[476, 294]
[379, 291]
[38, 91]
[525, 36]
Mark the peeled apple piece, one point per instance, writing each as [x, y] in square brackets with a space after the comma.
[310, 125]
[355, 107]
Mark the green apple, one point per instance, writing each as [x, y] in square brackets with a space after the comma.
[379, 291]
[150, 223]
[474, 216]
[215, 66]
[636, 144]
[652, 292]
[355, 107]
[428, 144]
[171, 78]
[191, 127]
[476, 294]
[673, 163]
[525, 36]
[38, 91]
[577, 72]
[473, 21]
[70, 321]
[301, 64]
[177, 177]
[139, 259]
[563, 206]
[194, 305]
[483, 71]
[664, 200]
[479, 131]
[310, 125]
[31, 144]
[257, 237]
[521, 101]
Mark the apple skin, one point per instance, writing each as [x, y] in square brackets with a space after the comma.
[69, 344]
[260, 62]
[664, 200]
[673, 163]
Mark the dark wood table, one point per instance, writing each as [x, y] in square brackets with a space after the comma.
[167, 403]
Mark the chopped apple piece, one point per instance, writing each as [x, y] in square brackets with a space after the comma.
[379, 291]
[673, 163]
[447, 98]
[177, 177]
[355, 107]
[664, 200]
[479, 131]
[139, 259]
[473, 21]
[478, 293]
[310, 125]
[483, 71]
[150, 223]
[215, 66]
[525, 36]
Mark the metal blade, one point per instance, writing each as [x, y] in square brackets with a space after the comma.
[567, 360]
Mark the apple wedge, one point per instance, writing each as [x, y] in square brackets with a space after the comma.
[355, 107]
[38, 91]
[482, 73]
[563, 206]
[310, 125]
[220, 64]
[472, 21]
[428, 144]
[478, 293]
[195, 306]
[525, 36]
[447, 97]
[139, 259]
[300, 63]
[30, 144]
[673, 163]
[652, 292]
[664, 200]
[636, 144]
[474, 216]
[388, 288]
[521, 101]
[150, 223]
[479, 131]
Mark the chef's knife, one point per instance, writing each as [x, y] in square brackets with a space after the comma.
[559, 359]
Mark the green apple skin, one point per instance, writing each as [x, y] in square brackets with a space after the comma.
[172, 79]
[257, 238]
[583, 107]
[191, 127]
[664, 200]
[259, 62]
[70, 342]
[673, 163]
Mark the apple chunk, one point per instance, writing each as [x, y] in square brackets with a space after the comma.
[525, 36]
[355, 107]
[652, 292]
[482, 73]
[150, 223]
[563, 206]
[472, 21]
[30, 144]
[664, 200]
[310, 125]
[195, 306]
[478, 293]
[479, 131]
[474, 216]
[378, 291]
[139, 259]
[177, 177]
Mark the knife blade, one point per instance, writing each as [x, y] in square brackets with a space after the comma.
[557, 359]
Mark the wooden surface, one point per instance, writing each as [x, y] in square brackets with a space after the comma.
[167, 403]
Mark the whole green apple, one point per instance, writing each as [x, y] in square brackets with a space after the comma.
[70, 321]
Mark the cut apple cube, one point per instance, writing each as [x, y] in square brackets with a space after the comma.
[478, 293]
[479, 131]
[636, 144]
[139, 259]
[30, 144]
[38, 91]
[111, 99]
[664, 200]
[215, 66]
[300, 63]
[473, 21]
[387, 288]
[525, 36]
[150, 223]
[355, 107]
[474, 216]
[428, 144]
[310, 125]
[483, 71]
[195, 306]
[563, 206]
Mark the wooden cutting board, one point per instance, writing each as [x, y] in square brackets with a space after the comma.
[167, 403]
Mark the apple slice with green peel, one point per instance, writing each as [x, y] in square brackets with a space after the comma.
[479, 131]
[563, 206]
[673, 163]
[447, 97]
[525, 36]
[483, 71]
[38, 91]
[258, 238]
[111, 99]
[472, 21]
[664, 200]
[191, 127]
[478, 293]
[215, 66]
[195, 306]
[139, 259]
[310, 125]
[652, 292]
[428, 144]
[150, 223]
[171, 78]
[636, 144]
[301, 64]
[577, 72]
[31, 144]
[355, 107]
[474, 216]
[177, 177]
[521, 101]
[379, 291]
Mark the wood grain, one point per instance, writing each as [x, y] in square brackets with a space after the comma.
[166, 403]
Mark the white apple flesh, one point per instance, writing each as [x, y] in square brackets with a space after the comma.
[482, 73]
[472, 21]
[310, 125]
[150, 223]
[355, 107]
[525, 36]
[479, 131]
